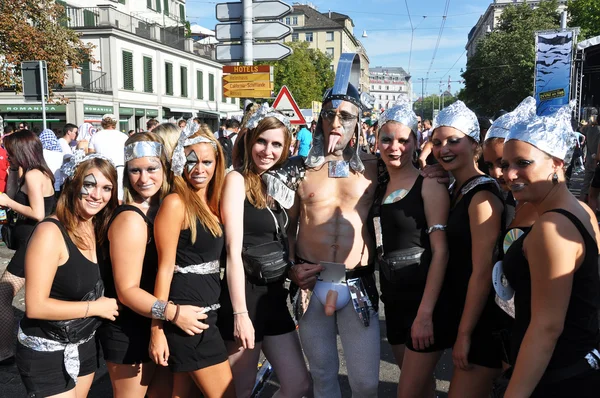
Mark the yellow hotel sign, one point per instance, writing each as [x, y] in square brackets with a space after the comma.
[247, 93]
[247, 77]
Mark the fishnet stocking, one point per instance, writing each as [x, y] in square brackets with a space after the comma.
[9, 286]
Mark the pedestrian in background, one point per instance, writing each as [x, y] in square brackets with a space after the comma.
[303, 141]
[67, 135]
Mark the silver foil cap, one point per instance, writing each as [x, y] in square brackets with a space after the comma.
[501, 126]
[458, 116]
[401, 112]
[265, 111]
[141, 149]
[552, 133]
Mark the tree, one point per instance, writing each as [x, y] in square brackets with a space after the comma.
[500, 73]
[424, 106]
[586, 15]
[36, 30]
[306, 73]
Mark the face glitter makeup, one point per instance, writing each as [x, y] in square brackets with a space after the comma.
[89, 181]
[191, 161]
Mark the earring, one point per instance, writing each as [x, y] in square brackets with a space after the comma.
[415, 157]
[555, 178]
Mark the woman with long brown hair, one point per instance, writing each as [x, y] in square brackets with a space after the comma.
[189, 240]
[57, 352]
[254, 314]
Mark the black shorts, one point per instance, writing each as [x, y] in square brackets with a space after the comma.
[125, 342]
[190, 353]
[44, 373]
[267, 309]
[596, 180]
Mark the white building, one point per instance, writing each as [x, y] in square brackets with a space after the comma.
[489, 21]
[388, 84]
[147, 68]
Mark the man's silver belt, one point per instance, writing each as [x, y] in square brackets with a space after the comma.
[212, 267]
[71, 351]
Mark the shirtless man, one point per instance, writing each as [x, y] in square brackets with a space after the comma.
[329, 214]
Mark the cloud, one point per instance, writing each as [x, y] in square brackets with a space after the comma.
[394, 43]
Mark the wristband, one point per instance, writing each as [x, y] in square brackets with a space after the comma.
[176, 314]
[240, 312]
[436, 227]
[87, 310]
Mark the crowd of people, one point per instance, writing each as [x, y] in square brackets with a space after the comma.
[171, 249]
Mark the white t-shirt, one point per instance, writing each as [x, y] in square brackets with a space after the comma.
[54, 160]
[111, 143]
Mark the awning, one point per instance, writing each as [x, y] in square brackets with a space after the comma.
[594, 41]
[179, 110]
[209, 114]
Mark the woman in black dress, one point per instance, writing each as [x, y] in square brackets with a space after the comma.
[189, 240]
[63, 288]
[411, 212]
[254, 314]
[465, 315]
[553, 268]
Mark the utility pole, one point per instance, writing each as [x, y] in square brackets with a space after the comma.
[422, 79]
[247, 39]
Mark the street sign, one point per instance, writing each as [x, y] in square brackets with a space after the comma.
[32, 84]
[286, 104]
[248, 93]
[247, 69]
[261, 52]
[262, 85]
[246, 77]
[263, 10]
[260, 31]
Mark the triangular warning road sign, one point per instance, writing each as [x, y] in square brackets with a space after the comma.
[285, 104]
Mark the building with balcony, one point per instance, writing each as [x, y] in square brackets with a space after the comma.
[389, 84]
[330, 32]
[147, 68]
[489, 20]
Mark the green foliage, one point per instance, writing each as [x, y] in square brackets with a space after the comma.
[586, 15]
[306, 73]
[500, 73]
[426, 106]
[35, 30]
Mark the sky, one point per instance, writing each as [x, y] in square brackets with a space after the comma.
[389, 33]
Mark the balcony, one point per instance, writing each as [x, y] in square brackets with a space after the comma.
[83, 79]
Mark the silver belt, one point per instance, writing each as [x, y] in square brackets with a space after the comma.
[212, 267]
[71, 351]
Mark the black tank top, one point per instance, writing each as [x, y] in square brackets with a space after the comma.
[73, 280]
[259, 225]
[22, 198]
[580, 334]
[149, 267]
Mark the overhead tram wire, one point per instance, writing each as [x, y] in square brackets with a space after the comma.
[412, 36]
[454, 64]
[437, 44]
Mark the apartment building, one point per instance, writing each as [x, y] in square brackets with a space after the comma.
[389, 84]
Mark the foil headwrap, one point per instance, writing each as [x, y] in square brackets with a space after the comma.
[501, 126]
[401, 112]
[458, 116]
[552, 133]
[266, 111]
[71, 351]
[211, 267]
[178, 159]
[143, 149]
[79, 156]
[283, 182]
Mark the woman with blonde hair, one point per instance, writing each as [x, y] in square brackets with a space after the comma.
[189, 240]
[254, 314]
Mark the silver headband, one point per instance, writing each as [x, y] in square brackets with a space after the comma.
[501, 126]
[458, 116]
[552, 133]
[178, 159]
[401, 112]
[78, 157]
[265, 111]
[143, 149]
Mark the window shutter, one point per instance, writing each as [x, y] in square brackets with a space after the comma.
[211, 87]
[182, 13]
[127, 70]
[169, 78]
[166, 7]
[158, 8]
[184, 88]
[199, 84]
[148, 75]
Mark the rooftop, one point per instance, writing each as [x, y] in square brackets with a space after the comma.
[316, 20]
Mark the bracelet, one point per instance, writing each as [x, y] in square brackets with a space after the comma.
[240, 312]
[436, 227]
[159, 309]
[167, 310]
[87, 310]
[176, 314]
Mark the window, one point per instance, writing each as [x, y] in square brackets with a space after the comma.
[294, 20]
[149, 4]
[387, 88]
[166, 7]
[294, 36]
[158, 7]
[329, 36]
[329, 51]
[199, 84]
[309, 36]
[122, 1]
[168, 78]
[211, 87]
[89, 18]
[148, 75]
[182, 13]
[331, 67]
[127, 70]
[183, 77]
[380, 86]
[287, 20]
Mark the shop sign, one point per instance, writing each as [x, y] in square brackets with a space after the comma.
[152, 112]
[97, 109]
[140, 112]
[125, 111]
[32, 108]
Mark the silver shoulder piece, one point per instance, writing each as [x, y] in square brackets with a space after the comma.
[478, 181]
[283, 182]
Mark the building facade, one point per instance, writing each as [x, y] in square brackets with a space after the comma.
[329, 32]
[146, 68]
[388, 85]
[489, 20]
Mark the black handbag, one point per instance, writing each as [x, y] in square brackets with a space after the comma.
[75, 330]
[8, 230]
[267, 262]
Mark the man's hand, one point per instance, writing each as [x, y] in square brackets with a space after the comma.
[305, 275]
[436, 171]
